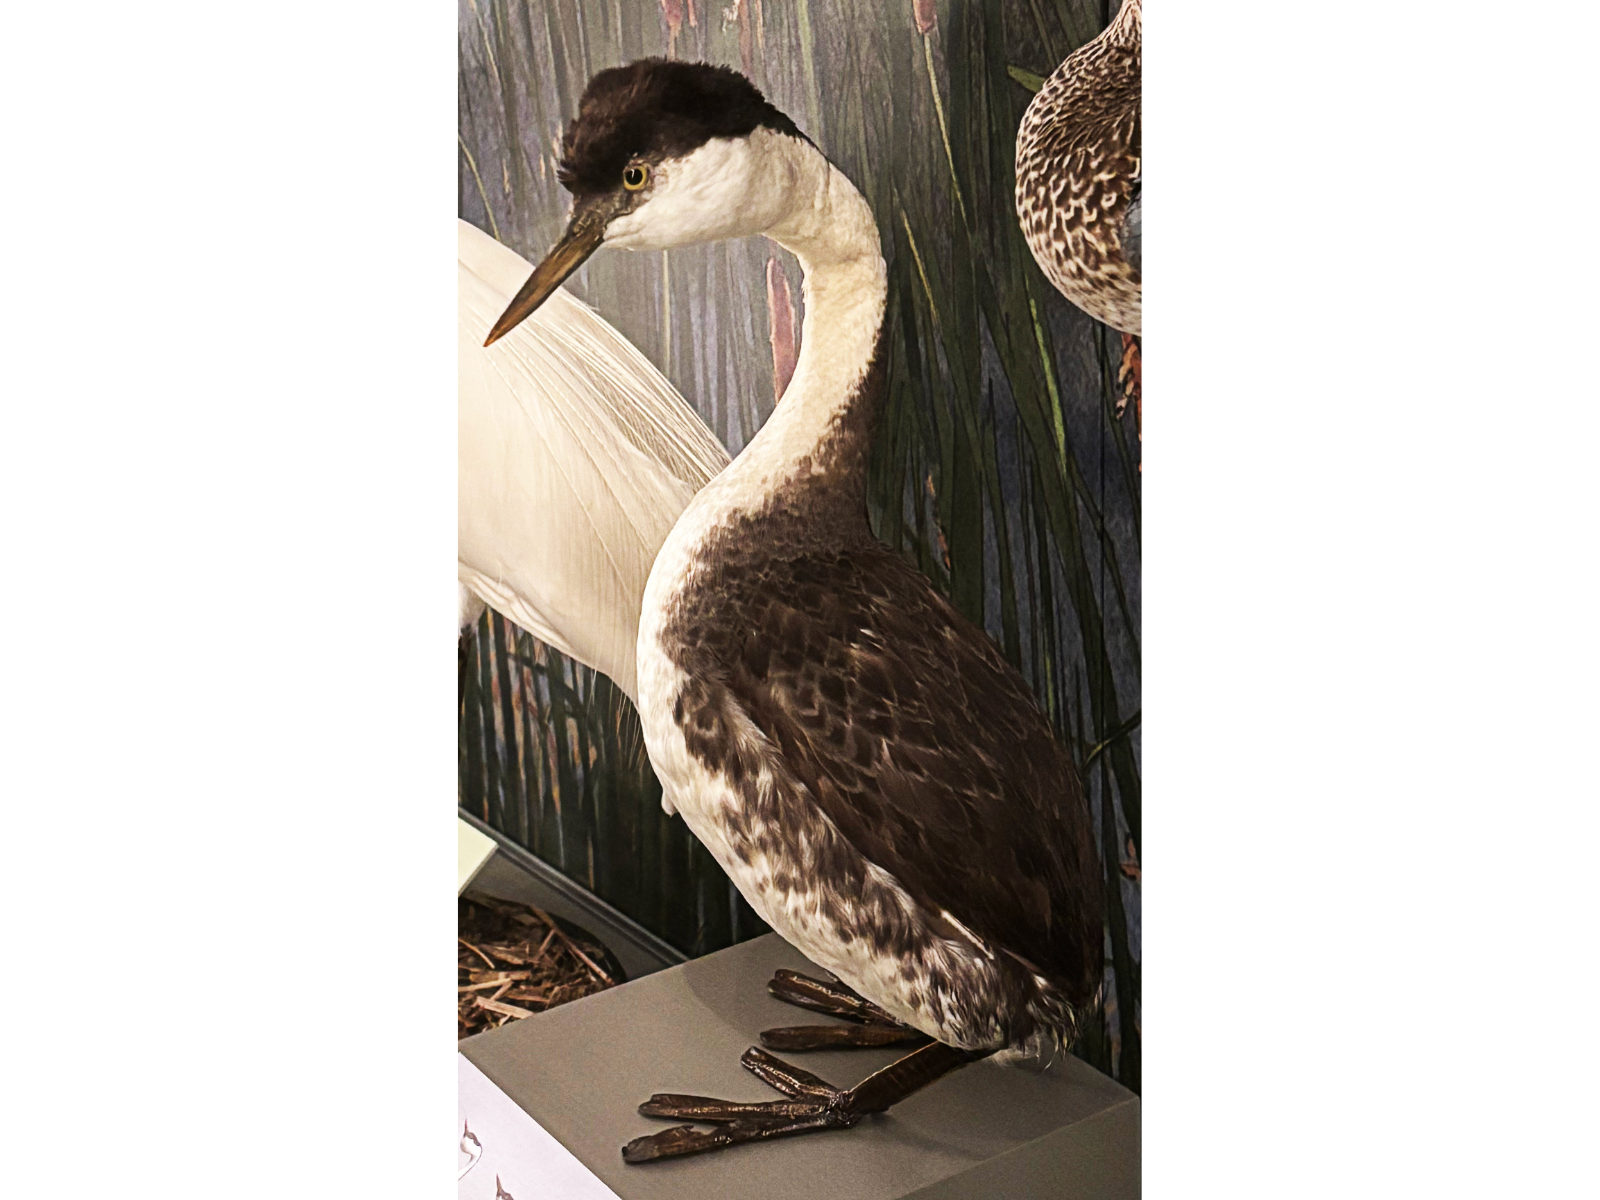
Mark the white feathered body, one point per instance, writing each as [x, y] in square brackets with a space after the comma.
[576, 456]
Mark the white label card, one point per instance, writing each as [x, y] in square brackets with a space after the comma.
[473, 850]
[507, 1155]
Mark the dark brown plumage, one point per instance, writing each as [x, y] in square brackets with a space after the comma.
[903, 738]
[654, 109]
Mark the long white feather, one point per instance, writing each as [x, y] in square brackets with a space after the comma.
[576, 456]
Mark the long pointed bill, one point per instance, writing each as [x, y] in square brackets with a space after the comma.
[582, 238]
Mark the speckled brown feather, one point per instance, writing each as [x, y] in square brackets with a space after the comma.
[1078, 171]
[898, 738]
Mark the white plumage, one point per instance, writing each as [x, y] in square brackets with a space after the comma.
[576, 456]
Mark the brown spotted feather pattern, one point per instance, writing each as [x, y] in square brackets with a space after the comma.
[1078, 171]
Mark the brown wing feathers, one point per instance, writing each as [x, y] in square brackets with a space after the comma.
[908, 730]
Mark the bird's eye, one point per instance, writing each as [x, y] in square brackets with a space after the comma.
[634, 178]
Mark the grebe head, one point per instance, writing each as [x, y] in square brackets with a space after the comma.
[665, 154]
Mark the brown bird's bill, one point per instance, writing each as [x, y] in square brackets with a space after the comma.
[585, 232]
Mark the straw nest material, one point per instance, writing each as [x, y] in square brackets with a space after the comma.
[515, 960]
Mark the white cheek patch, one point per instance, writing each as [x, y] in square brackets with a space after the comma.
[727, 188]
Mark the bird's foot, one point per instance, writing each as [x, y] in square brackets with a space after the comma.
[813, 1106]
[872, 1026]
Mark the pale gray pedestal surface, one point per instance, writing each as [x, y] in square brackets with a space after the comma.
[985, 1131]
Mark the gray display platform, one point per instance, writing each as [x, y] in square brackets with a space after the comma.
[987, 1130]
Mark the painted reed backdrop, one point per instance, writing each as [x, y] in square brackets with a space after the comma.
[1000, 466]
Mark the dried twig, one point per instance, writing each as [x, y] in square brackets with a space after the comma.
[545, 945]
[505, 1010]
[486, 983]
[573, 946]
[550, 966]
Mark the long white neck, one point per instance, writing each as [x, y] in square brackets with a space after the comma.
[830, 229]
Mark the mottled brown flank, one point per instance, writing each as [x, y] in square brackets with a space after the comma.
[893, 733]
[1078, 171]
[654, 109]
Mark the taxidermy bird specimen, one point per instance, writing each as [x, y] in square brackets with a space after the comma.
[576, 457]
[872, 774]
[1078, 193]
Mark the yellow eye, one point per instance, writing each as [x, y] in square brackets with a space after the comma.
[634, 178]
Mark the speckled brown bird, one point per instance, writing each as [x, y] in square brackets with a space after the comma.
[1078, 194]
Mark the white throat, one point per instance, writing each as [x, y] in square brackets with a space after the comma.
[830, 229]
[827, 225]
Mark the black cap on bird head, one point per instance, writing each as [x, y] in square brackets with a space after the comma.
[629, 119]
[655, 109]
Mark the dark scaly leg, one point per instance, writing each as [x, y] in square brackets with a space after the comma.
[814, 1105]
[872, 1026]
[831, 997]
[839, 1037]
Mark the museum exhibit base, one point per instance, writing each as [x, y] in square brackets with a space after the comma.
[582, 1070]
